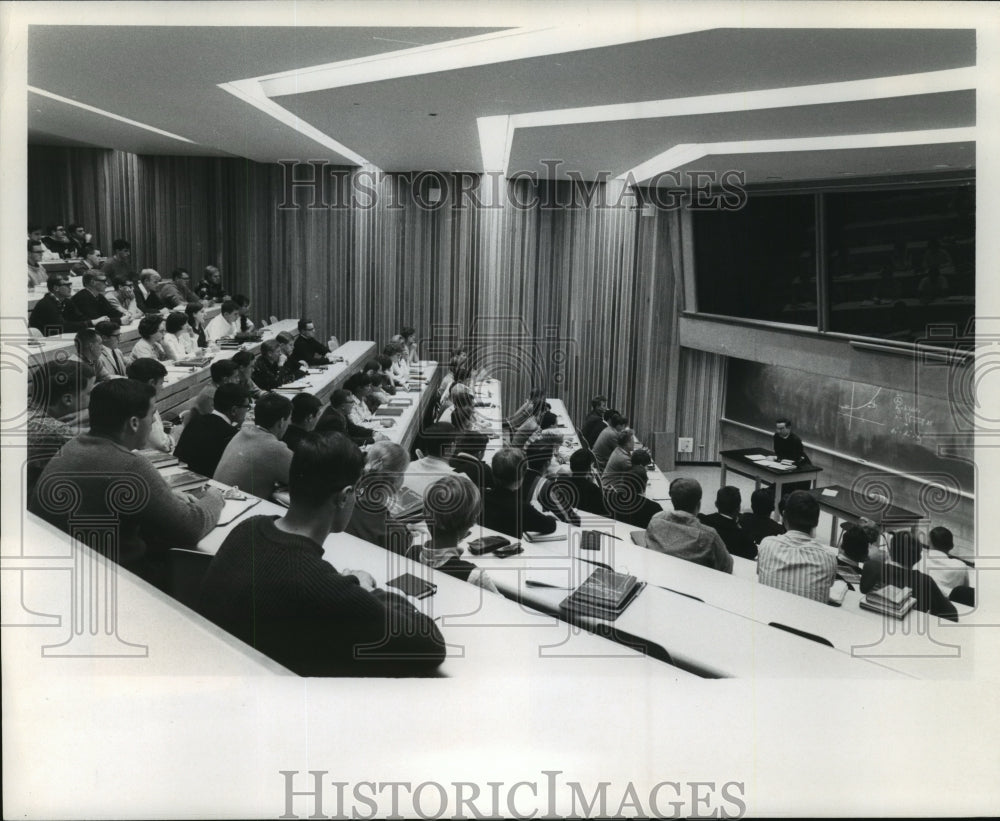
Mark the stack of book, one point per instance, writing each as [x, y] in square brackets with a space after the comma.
[604, 595]
[890, 601]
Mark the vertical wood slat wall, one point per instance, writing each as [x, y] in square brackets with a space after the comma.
[701, 386]
[580, 299]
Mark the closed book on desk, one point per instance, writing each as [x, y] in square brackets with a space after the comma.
[194, 362]
[890, 601]
[184, 480]
[401, 402]
[561, 532]
[384, 411]
[604, 595]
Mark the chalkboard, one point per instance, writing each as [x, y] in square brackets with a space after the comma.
[889, 427]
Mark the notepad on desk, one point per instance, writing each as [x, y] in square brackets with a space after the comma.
[561, 532]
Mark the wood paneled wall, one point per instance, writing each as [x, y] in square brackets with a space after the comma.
[580, 299]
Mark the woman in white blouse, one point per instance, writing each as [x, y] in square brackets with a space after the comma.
[175, 340]
[151, 329]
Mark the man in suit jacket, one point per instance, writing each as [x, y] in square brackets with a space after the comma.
[91, 302]
[205, 437]
[726, 523]
[146, 298]
[594, 423]
[113, 361]
[54, 313]
[336, 418]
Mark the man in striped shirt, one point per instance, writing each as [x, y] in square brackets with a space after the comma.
[795, 561]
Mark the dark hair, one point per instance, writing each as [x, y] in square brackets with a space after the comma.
[762, 501]
[34, 226]
[269, 346]
[323, 464]
[33, 242]
[581, 460]
[303, 323]
[508, 466]
[597, 401]
[407, 331]
[145, 369]
[229, 307]
[90, 276]
[242, 358]
[539, 452]
[178, 271]
[641, 457]
[437, 438]
[685, 494]
[471, 441]
[55, 379]
[384, 362]
[548, 420]
[941, 539]
[304, 405]
[904, 549]
[339, 397]
[71, 228]
[623, 438]
[87, 248]
[784, 420]
[801, 510]
[854, 543]
[114, 402]
[53, 281]
[121, 245]
[270, 409]
[107, 328]
[175, 321]
[149, 325]
[728, 500]
[191, 309]
[616, 419]
[284, 338]
[356, 381]
[222, 369]
[241, 300]
[83, 336]
[462, 372]
[229, 396]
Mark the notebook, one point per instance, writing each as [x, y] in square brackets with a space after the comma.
[889, 601]
[561, 532]
[604, 595]
[407, 505]
[184, 480]
[193, 362]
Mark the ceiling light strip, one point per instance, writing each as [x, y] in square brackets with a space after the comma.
[43, 93]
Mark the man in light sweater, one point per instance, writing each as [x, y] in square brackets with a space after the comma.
[679, 533]
[256, 459]
[97, 475]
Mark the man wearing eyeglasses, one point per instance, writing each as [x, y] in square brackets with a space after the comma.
[58, 242]
[205, 437]
[310, 350]
[112, 359]
[91, 302]
[55, 313]
[36, 273]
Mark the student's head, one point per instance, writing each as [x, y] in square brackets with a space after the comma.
[286, 342]
[176, 321]
[34, 231]
[685, 494]
[783, 427]
[151, 327]
[547, 420]
[230, 310]
[581, 461]
[147, 370]
[438, 439]
[599, 404]
[801, 511]
[322, 476]
[149, 278]
[88, 344]
[213, 274]
[243, 360]
[385, 466]
[109, 332]
[394, 350]
[462, 373]
[76, 231]
[122, 410]
[617, 421]
[641, 458]
[59, 286]
[196, 314]
[273, 412]
[358, 384]
[63, 388]
[452, 505]
[243, 303]
[762, 501]
[538, 453]
[904, 549]
[35, 251]
[95, 281]
[271, 350]
[232, 400]
[224, 370]
[384, 362]
[508, 467]
[342, 400]
[941, 539]
[854, 544]
[122, 249]
[728, 500]
[306, 409]
[306, 328]
[181, 275]
[408, 332]
[472, 442]
[626, 439]
[91, 254]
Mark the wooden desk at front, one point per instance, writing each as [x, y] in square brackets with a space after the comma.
[736, 460]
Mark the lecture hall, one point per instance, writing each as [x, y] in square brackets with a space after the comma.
[398, 351]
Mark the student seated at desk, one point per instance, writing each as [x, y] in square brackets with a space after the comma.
[626, 497]
[436, 445]
[91, 303]
[270, 585]
[196, 320]
[291, 368]
[951, 575]
[607, 440]
[224, 325]
[725, 521]
[152, 373]
[88, 349]
[533, 406]
[904, 553]
[467, 457]
[360, 387]
[538, 485]
[256, 459]
[594, 423]
[504, 508]
[795, 562]
[578, 489]
[678, 532]
[221, 371]
[54, 313]
[266, 373]
[308, 349]
[176, 331]
[381, 480]
[336, 418]
[451, 506]
[758, 524]
[533, 427]
[852, 556]
[113, 362]
[150, 346]
[205, 437]
[109, 480]
[306, 410]
[244, 364]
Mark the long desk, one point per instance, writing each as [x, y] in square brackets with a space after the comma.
[322, 382]
[404, 429]
[836, 500]
[738, 461]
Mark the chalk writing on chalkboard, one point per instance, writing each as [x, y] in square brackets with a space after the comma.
[906, 420]
[853, 411]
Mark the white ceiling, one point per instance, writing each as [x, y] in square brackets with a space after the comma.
[412, 98]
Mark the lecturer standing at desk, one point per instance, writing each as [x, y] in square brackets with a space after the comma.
[787, 445]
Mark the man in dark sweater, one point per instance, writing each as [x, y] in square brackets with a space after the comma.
[91, 303]
[503, 506]
[725, 521]
[55, 313]
[787, 445]
[205, 436]
[308, 348]
[759, 524]
[306, 410]
[270, 586]
[594, 423]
